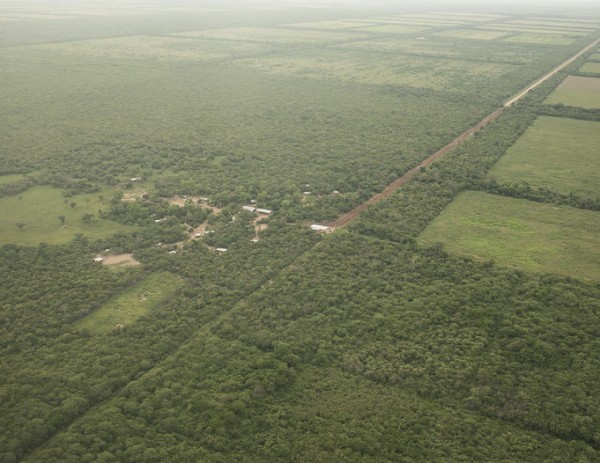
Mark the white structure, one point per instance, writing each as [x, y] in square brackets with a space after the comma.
[260, 210]
[98, 259]
[173, 252]
[249, 208]
[221, 249]
[135, 179]
[319, 228]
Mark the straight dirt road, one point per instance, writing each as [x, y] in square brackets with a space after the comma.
[348, 217]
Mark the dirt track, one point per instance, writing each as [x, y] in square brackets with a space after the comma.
[348, 217]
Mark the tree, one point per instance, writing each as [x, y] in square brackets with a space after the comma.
[20, 225]
[62, 219]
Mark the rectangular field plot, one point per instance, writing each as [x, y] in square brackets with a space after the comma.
[591, 67]
[381, 68]
[555, 24]
[595, 57]
[582, 92]
[555, 153]
[275, 36]
[156, 49]
[536, 30]
[33, 217]
[414, 22]
[476, 34]
[334, 25]
[395, 29]
[514, 232]
[541, 39]
[450, 47]
[124, 309]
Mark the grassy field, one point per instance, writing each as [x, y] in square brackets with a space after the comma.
[558, 154]
[595, 57]
[125, 308]
[513, 232]
[476, 34]
[573, 25]
[38, 210]
[12, 178]
[590, 67]
[394, 29]
[537, 31]
[582, 92]
[334, 25]
[540, 39]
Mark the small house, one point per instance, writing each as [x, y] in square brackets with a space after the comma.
[319, 228]
[260, 210]
[98, 259]
[221, 249]
[249, 208]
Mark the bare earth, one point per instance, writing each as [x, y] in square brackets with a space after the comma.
[124, 260]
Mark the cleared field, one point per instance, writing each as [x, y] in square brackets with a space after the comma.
[417, 22]
[124, 309]
[33, 217]
[395, 29]
[582, 92]
[595, 57]
[535, 30]
[540, 39]
[592, 68]
[338, 24]
[513, 232]
[155, 49]
[469, 16]
[450, 47]
[556, 24]
[476, 34]
[277, 36]
[555, 153]
[379, 68]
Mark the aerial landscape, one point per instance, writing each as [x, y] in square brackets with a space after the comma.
[304, 231]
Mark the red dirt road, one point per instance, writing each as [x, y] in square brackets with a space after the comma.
[348, 217]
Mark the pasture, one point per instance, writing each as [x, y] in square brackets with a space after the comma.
[333, 25]
[581, 92]
[540, 39]
[590, 68]
[122, 310]
[34, 217]
[554, 153]
[475, 34]
[10, 178]
[518, 233]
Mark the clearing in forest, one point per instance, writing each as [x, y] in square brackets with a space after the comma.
[581, 92]
[120, 260]
[590, 67]
[554, 153]
[515, 232]
[475, 34]
[125, 308]
[540, 39]
[44, 214]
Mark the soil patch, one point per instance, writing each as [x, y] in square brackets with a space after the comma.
[123, 260]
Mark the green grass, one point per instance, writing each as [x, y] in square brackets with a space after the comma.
[595, 56]
[395, 29]
[334, 25]
[540, 39]
[39, 208]
[537, 31]
[581, 92]
[555, 153]
[11, 178]
[514, 232]
[125, 308]
[476, 34]
[592, 68]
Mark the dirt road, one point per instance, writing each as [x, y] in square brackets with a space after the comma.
[348, 217]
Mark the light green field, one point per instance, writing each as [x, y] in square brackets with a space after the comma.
[417, 22]
[514, 232]
[555, 153]
[595, 57]
[592, 68]
[376, 68]
[39, 208]
[12, 178]
[339, 24]
[537, 31]
[125, 308]
[556, 24]
[468, 16]
[582, 92]
[395, 29]
[155, 49]
[277, 36]
[540, 39]
[472, 34]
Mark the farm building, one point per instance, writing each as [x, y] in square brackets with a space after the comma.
[221, 249]
[249, 208]
[319, 228]
[98, 259]
[260, 210]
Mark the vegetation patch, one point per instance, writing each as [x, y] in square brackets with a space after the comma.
[590, 67]
[339, 24]
[582, 92]
[44, 214]
[11, 178]
[278, 36]
[124, 309]
[514, 232]
[554, 153]
[476, 34]
[395, 29]
[540, 39]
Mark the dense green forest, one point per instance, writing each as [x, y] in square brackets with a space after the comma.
[278, 343]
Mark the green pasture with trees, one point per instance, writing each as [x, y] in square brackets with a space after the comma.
[582, 92]
[144, 130]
